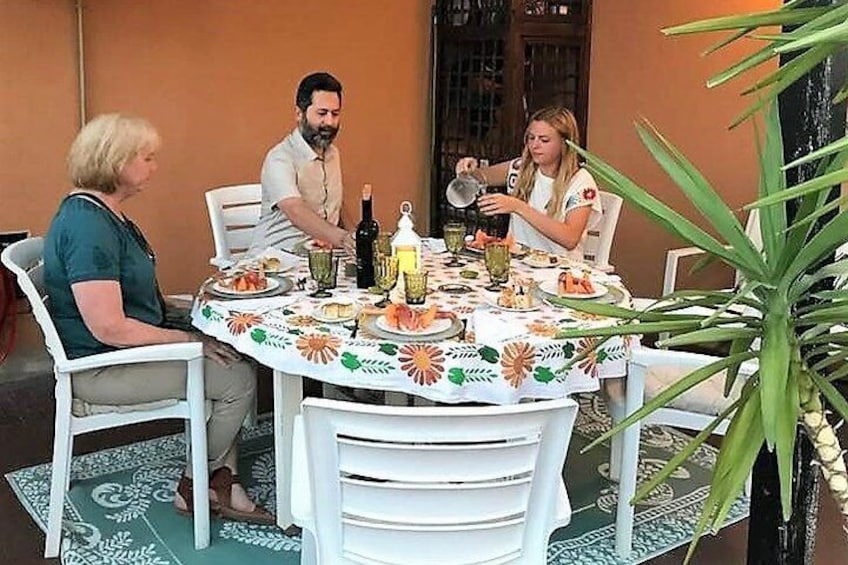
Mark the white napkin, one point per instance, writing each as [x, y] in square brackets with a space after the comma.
[491, 328]
[435, 245]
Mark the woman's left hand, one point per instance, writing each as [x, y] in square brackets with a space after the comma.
[491, 204]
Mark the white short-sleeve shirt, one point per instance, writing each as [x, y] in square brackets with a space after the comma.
[293, 168]
[582, 191]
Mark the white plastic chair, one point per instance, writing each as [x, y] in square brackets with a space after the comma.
[649, 372]
[598, 243]
[447, 485]
[74, 417]
[672, 259]
[233, 212]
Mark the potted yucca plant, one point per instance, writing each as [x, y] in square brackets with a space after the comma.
[792, 295]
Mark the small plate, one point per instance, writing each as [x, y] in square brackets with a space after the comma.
[318, 312]
[454, 288]
[492, 300]
[273, 284]
[438, 326]
[542, 262]
[552, 287]
[272, 261]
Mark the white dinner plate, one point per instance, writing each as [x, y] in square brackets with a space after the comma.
[439, 325]
[552, 287]
[318, 312]
[492, 300]
[272, 285]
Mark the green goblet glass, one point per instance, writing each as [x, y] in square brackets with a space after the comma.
[497, 258]
[383, 244]
[385, 276]
[454, 240]
[322, 266]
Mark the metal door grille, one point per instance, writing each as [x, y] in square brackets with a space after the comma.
[496, 61]
[469, 110]
[551, 75]
[473, 13]
[553, 7]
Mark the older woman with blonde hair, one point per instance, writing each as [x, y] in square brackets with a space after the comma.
[100, 275]
[551, 199]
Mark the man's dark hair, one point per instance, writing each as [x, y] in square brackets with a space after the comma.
[315, 82]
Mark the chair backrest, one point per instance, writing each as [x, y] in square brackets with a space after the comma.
[26, 260]
[435, 485]
[752, 230]
[598, 243]
[696, 408]
[233, 212]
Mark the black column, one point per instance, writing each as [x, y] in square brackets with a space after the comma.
[809, 120]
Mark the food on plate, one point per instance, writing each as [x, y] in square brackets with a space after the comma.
[337, 310]
[540, 258]
[518, 296]
[569, 284]
[248, 281]
[270, 263]
[481, 238]
[403, 317]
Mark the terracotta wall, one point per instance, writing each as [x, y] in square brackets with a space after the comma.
[638, 72]
[38, 109]
[218, 79]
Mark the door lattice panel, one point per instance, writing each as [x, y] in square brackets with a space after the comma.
[553, 7]
[551, 75]
[473, 13]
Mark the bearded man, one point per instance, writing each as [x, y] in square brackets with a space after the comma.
[301, 176]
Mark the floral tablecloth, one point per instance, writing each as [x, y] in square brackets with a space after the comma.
[528, 363]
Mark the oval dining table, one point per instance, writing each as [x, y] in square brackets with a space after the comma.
[485, 354]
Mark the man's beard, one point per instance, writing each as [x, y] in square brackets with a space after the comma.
[318, 138]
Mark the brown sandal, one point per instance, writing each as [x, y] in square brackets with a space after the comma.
[222, 482]
[185, 488]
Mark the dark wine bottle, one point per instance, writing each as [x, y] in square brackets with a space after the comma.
[366, 234]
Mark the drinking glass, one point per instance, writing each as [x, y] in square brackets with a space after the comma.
[415, 286]
[386, 276]
[383, 244]
[497, 259]
[322, 267]
[454, 240]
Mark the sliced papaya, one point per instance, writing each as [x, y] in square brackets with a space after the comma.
[586, 286]
[392, 318]
[426, 317]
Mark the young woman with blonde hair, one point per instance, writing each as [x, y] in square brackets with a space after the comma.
[551, 199]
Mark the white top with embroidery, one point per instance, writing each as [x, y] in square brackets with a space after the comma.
[581, 191]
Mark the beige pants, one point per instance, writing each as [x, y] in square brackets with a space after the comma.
[231, 390]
